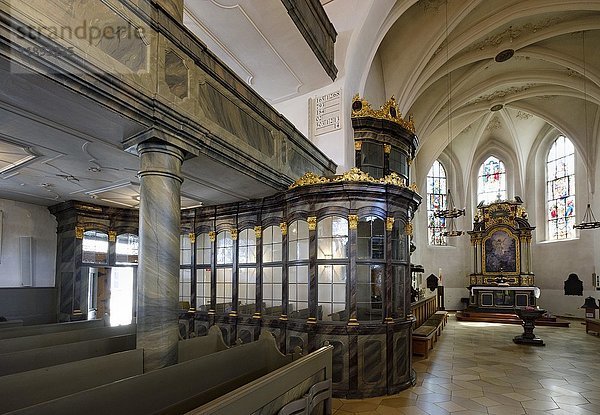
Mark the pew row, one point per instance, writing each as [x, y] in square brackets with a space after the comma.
[268, 394]
[63, 353]
[173, 389]
[21, 331]
[17, 344]
[24, 389]
[196, 347]
[424, 336]
[9, 324]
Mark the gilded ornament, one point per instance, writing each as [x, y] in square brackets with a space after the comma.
[312, 223]
[112, 236]
[408, 228]
[387, 149]
[353, 221]
[258, 232]
[283, 227]
[234, 234]
[414, 187]
[389, 224]
[355, 175]
[192, 237]
[357, 145]
[308, 179]
[212, 235]
[79, 230]
[394, 179]
[388, 111]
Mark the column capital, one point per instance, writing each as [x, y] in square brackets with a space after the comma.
[159, 158]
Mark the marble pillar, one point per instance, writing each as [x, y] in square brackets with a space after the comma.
[158, 269]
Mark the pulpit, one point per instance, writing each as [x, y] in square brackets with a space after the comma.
[502, 278]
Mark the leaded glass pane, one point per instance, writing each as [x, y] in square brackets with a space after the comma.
[436, 200]
[491, 184]
[560, 189]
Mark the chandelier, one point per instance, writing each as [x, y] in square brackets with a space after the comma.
[589, 220]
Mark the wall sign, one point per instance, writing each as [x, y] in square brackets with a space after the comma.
[325, 113]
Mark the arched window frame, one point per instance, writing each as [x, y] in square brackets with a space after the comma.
[224, 271]
[94, 247]
[332, 267]
[247, 246]
[272, 270]
[185, 268]
[437, 189]
[298, 262]
[501, 192]
[203, 270]
[560, 191]
[370, 267]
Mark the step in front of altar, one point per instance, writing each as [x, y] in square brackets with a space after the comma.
[506, 318]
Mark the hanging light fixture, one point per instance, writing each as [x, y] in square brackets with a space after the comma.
[589, 220]
[451, 212]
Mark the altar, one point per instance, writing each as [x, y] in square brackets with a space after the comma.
[502, 276]
[504, 297]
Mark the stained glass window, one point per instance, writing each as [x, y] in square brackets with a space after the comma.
[491, 184]
[560, 189]
[436, 200]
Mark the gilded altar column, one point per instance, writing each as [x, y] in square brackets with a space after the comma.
[158, 269]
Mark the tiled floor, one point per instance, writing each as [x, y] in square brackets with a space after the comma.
[475, 368]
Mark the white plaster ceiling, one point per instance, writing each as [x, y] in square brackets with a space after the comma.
[260, 42]
[541, 87]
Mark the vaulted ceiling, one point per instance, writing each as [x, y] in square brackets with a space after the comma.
[494, 74]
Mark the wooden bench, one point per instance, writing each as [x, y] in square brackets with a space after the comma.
[593, 325]
[201, 346]
[22, 331]
[422, 340]
[10, 324]
[16, 344]
[175, 389]
[32, 387]
[307, 379]
[31, 359]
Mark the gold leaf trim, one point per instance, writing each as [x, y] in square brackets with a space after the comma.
[388, 111]
[308, 179]
[355, 175]
[353, 221]
[312, 223]
[394, 179]
[389, 223]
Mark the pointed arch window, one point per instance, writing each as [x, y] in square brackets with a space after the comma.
[436, 200]
[491, 183]
[560, 189]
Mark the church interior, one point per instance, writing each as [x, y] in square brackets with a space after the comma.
[379, 200]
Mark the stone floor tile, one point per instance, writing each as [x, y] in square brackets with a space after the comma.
[358, 406]
[451, 406]
[518, 397]
[398, 402]
[541, 405]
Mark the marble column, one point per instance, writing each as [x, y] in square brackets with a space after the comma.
[158, 269]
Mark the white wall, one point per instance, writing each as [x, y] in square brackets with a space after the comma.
[23, 219]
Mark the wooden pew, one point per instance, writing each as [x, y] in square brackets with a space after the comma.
[6, 333]
[593, 325]
[31, 359]
[32, 387]
[268, 394]
[16, 344]
[10, 324]
[174, 389]
[201, 346]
